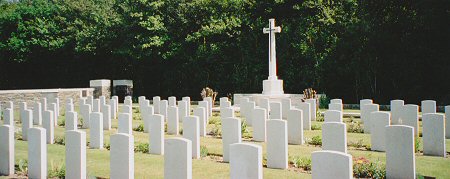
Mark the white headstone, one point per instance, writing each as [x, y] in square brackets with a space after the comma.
[75, 154]
[259, 124]
[249, 118]
[182, 110]
[69, 108]
[364, 102]
[57, 107]
[433, 134]
[312, 108]
[6, 150]
[333, 116]
[191, 131]
[116, 100]
[71, 121]
[8, 116]
[336, 107]
[285, 107]
[96, 130]
[156, 134]
[163, 108]
[127, 109]
[172, 101]
[200, 112]
[172, 120]
[141, 100]
[106, 113]
[400, 158]
[44, 104]
[365, 115]
[243, 106]
[275, 110]
[48, 124]
[90, 100]
[53, 108]
[96, 105]
[114, 108]
[277, 144]
[447, 122]
[122, 156]
[378, 130]
[222, 101]
[305, 107]
[331, 164]
[428, 106]
[37, 153]
[409, 116]
[128, 101]
[27, 122]
[85, 111]
[188, 100]
[37, 114]
[295, 126]
[102, 100]
[231, 133]
[246, 161]
[226, 112]
[211, 104]
[334, 136]
[336, 101]
[22, 107]
[264, 103]
[396, 109]
[177, 158]
[204, 104]
[125, 124]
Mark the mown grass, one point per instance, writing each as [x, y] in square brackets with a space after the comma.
[152, 166]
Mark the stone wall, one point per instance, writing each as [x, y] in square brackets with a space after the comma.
[30, 96]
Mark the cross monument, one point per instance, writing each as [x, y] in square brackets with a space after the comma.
[272, 86]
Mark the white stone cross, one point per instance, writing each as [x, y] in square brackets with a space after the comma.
[272, 54]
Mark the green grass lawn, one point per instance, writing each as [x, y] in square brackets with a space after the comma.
[151, 166]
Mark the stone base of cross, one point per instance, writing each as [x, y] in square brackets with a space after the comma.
[273, 87]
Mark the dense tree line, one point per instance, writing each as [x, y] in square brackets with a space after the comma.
[349, 49]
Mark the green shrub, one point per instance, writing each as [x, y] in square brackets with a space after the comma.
[216, 131]
[320, 117]
[363, 168]
[303, 163]
[316, 140]
[215, 120]
[244, 128]
[316, 127]
[355, 127]
[22, 167]
[142, 147]
[60, 140]
[324, 101]
[139, 128]
[107, 146]
[417, 144]
[57, 171]
[62, 122]
[203, 151]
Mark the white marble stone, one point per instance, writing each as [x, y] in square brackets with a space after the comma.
[37, 114]
[85, 111]
[57, 107]
[172, 120]
[191, 131]
[400, 157]
[116, 100]
[6, 150]
[69, 108]
[333, 116]
[275, 110]
[141, 100]
[231, 133]
[27, 122]
[226, 112]
[285, 107]
[336, 101]
[71, 121]
[204, 104]
[409, 116]
[327, 164]
[277, 144]
[102, 100]
[433, 134]
[259, 124]
[128, 102]
[447, 122]
[188, 100]
[305, 107]
[378, 130]
[114, 108]
[106, 113]
[48, 124]
[96, 105]
[53, 108]
[75, 154]
[122, 156]
[156, 134]
[334, 136]
[365, 115]
[243, 106]
[200, 112]
[210, 105]
[222, 101]
[428, 106]
[125, 125]
[312, 108]
[246, 161]
[172, 101]
[127, 109]
[295, 126]
[182, 110]
[249, 118]
[22, 107]
[96, 130]
[177, 158]
[336, 107]
[264, 103]
[8, 117]
[273, 85]
[44, 104]
[164, 104]
[364, 102]
[396, 109]
[37, 153]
